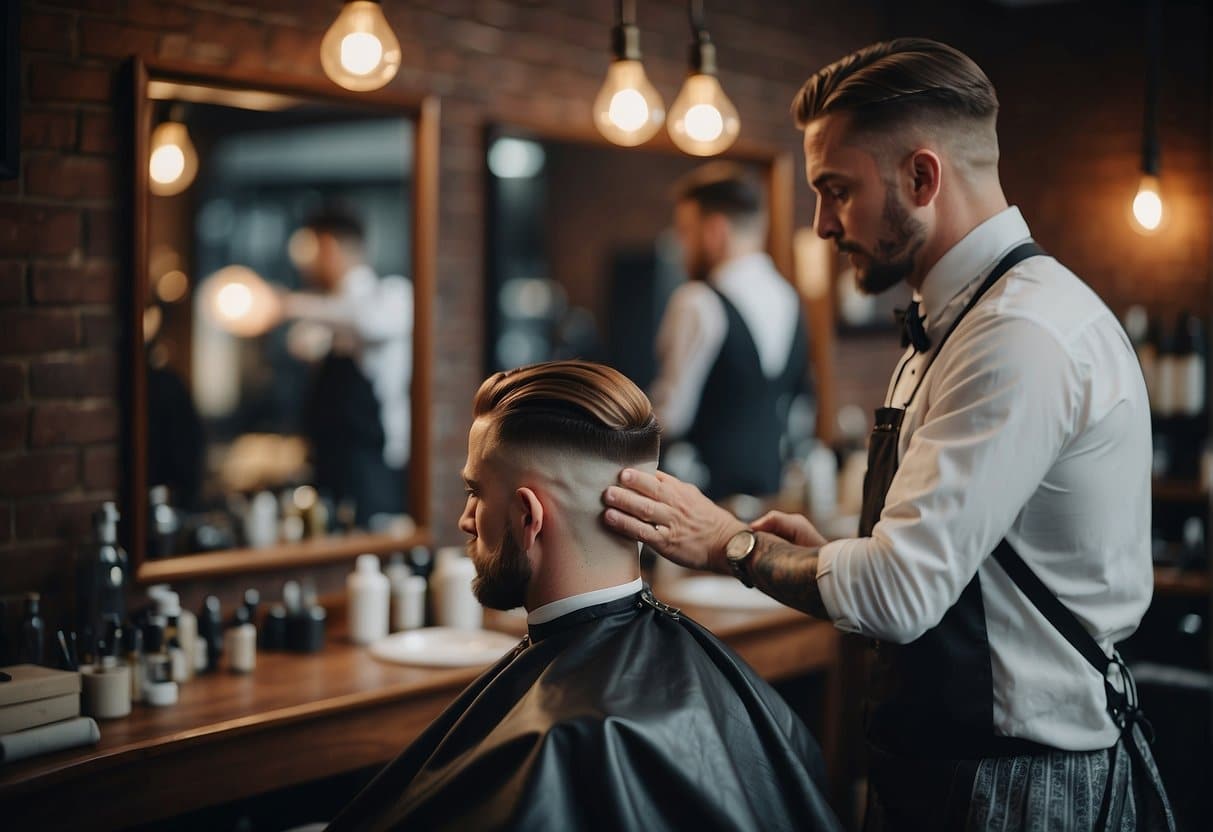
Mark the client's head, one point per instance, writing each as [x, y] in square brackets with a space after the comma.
[545, 442]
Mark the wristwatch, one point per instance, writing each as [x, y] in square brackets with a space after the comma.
[737, 553]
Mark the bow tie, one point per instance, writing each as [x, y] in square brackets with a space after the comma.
[912, 329]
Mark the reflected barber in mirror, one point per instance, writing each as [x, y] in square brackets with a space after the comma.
[1004, 542]
[356, 327]
[731, 349]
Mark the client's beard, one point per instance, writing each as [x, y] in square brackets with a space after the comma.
[502, 578]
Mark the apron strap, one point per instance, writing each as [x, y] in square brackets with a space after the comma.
[1122, 706]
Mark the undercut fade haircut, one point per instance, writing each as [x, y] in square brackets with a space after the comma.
[723, 188]
[882, 86]
[576, 406]
[340, 221]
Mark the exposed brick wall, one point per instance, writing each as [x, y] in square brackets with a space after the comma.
[1066, 74]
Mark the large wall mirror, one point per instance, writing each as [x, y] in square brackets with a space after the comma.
[283, 259]
[581, 255]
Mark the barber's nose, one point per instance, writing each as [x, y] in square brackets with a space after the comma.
[467, 520]
[825, 222]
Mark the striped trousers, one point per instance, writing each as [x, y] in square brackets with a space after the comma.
[1064, 790]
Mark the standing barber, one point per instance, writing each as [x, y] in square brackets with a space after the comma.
[1004, 544]
[731, 347]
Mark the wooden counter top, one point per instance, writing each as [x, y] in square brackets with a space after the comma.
[299, 718]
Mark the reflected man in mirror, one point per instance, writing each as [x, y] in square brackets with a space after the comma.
[356, 416]
[615, 711]
[731, 347]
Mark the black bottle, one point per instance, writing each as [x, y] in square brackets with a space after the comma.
[33, 632]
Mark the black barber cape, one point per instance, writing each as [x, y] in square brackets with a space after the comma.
[622, 716]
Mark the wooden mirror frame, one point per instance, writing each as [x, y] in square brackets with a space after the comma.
[780, 182]
[424, 110]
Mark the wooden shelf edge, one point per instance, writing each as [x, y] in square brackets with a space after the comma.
[1171, 581]
[288, 555]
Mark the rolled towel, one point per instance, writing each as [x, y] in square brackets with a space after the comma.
[47, 738]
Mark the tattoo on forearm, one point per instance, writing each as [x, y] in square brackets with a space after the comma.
[788, 573]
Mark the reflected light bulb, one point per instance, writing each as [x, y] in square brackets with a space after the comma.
[1147, 205]
[237, 300]
[234, 301]
[360, 51]
[628, 109]
[172, 162]
[703, 121]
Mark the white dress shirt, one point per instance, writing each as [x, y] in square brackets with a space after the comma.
[695, 324]
[372, 320]
[564, 606]
[1033, 425]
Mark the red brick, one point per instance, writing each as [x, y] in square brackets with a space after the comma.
[98, 133]
[60, 81]
[99, 329]
[115, 41]
[12, 283]
[88, 283]
[70, 519]
[46, 32]
[100, 231]
[12, 381]
[53, 129]
[28, 331]
[14, 427]
[93, 374]
[45, 568]
[93, 6]
[156, 13]
[69, 177]
[101, 468]
[43, 472]
[83, 424]
[37, 230]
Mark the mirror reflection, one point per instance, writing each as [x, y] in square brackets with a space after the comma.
[596, 252]
[278, 321]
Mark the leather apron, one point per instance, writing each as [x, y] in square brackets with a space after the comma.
[930, 702]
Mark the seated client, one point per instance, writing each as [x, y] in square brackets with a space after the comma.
[615, 711]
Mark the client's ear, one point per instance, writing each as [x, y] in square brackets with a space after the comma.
[527, 517]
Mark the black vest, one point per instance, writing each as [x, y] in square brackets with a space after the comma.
[742, 415]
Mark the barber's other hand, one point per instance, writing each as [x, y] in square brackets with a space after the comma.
[791, 527]
[671, 516]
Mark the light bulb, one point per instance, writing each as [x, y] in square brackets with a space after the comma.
[703, 122]
[360, 51]
[1147, 205]
[628, 109]
[237, 300]
[173, 162]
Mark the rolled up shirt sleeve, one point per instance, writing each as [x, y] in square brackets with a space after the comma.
[1001, 404]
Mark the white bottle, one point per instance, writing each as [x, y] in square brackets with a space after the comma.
[408, 603]
[455, 604]
[261, 522]
[368, 592]
[821, 481]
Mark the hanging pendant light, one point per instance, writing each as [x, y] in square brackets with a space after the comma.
[172, 161]
[628, 109]
[360, 51]
[1147, 204]
[702, 121]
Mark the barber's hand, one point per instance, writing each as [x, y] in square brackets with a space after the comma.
[791, 527]
[671, 516]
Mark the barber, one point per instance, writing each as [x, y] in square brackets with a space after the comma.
[1004, 542]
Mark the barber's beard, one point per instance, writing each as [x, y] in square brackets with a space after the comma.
[893, 260]
[503, 576]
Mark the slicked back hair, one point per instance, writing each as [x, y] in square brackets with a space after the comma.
[885, 85]
[576, 406]
[723, 188]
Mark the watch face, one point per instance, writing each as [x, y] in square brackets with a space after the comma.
[739, 545]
